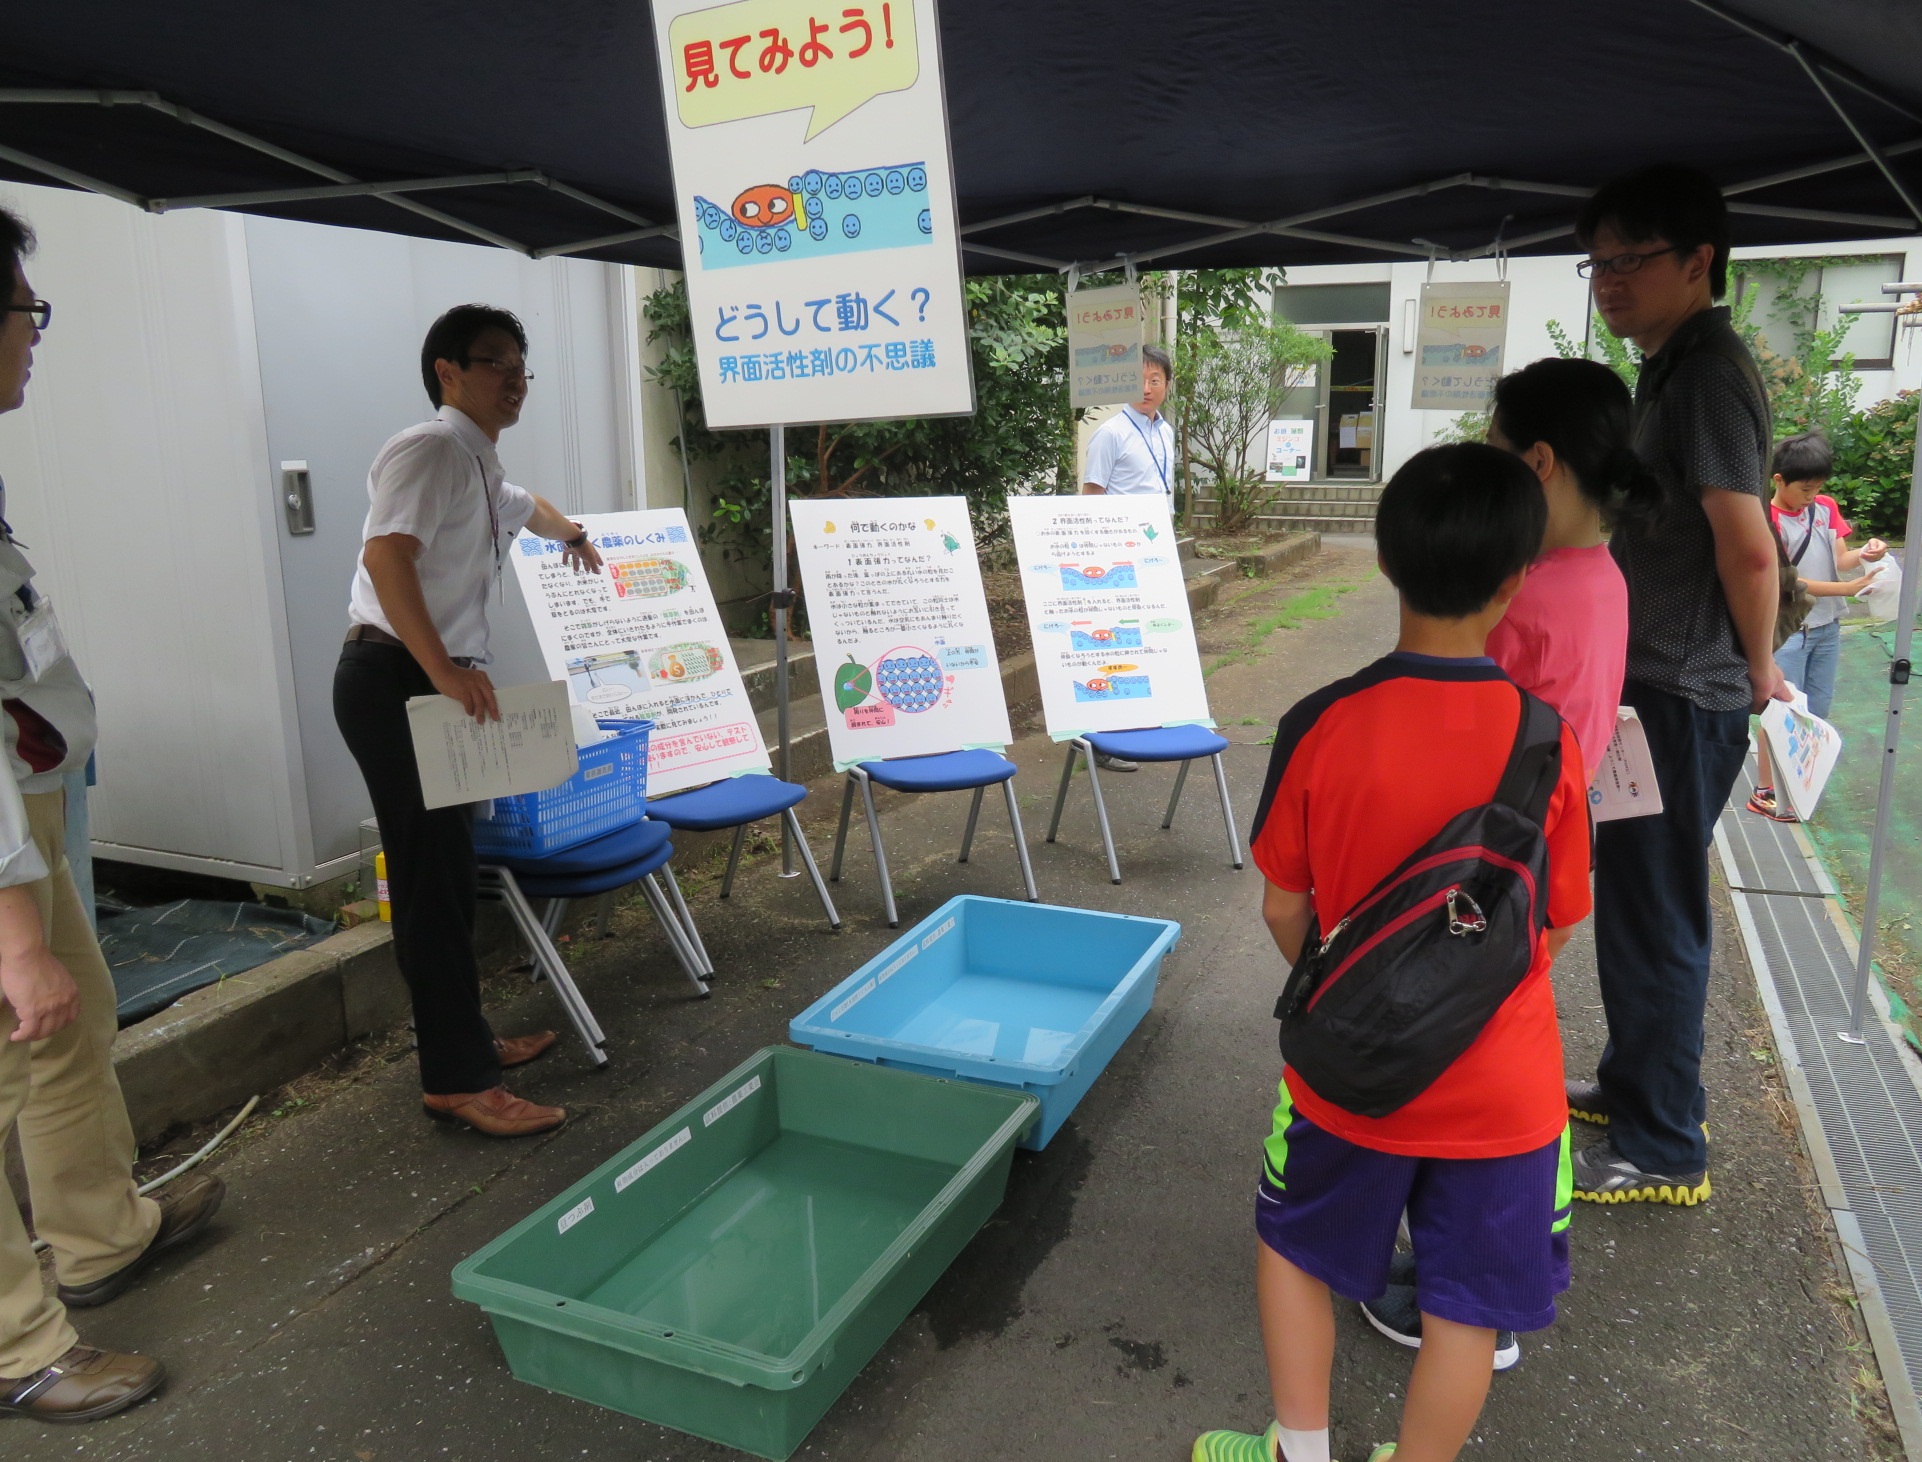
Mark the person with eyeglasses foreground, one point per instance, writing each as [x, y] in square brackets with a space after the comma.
[440, 521]
[1703, 586]
[57, 1006]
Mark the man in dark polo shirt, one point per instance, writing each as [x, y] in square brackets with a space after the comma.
[1702, 593]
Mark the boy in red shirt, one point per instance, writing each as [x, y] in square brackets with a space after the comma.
[1364, 772]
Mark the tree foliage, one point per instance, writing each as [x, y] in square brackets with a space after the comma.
[1232, 381]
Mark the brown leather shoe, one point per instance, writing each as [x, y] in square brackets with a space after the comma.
[186, 1207]
[519, 1050]
[83, 1385]
[495, 1112]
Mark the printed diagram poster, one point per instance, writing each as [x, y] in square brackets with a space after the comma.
[1114, 643]
[1291, 446]
[1804, 749]
[643, 640]
[1104, 345]
[816, 206]
[901, 632]
[1458, 345]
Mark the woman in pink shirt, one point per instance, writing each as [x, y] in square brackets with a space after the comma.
[1565, 636]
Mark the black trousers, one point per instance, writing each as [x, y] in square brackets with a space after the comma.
[431, 877]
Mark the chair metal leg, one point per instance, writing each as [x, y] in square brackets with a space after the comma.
[1227, 817]
[1101, 816]
[551, 917]
[498, 883]
[974, 816]
[1020, 841]
[880, 855]
[733, 860]
[841, 835]
[671, 927]
[688, 926]
[1061, 795]
[1181, 778]
[814, 872]
[603, 907]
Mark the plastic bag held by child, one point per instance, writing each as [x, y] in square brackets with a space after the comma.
[1884, 592]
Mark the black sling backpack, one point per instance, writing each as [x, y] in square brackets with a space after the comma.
[1375, 1010]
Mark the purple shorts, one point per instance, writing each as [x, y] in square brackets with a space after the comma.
[1491, 1233]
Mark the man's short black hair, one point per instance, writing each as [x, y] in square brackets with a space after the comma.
[1804, 457]
[1667, 203]
[1454, 523]
[453, 335]
[16, 242]
[1154, 355]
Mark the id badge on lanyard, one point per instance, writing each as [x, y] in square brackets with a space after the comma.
[41, 641]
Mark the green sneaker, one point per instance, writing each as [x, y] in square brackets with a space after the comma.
[1382, 1453]
[1239, 1446]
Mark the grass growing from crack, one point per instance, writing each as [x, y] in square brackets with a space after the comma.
[1320, 602]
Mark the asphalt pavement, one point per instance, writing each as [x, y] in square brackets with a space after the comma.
[1107, 1311]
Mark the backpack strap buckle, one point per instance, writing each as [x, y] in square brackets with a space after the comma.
[1465, 915]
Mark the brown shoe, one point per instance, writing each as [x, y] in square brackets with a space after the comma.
[83, 1385]
[495, 1112]
[186, 1207]
[519, 1050]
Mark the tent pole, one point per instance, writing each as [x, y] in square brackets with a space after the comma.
[1891, 739]
[782, 602]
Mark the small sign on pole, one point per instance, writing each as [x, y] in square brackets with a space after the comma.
[1104, 345]
[816, 206]
[1291, 449]
[1458, 345]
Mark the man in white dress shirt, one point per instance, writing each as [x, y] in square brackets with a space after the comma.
[441, 518]
[1133, 452]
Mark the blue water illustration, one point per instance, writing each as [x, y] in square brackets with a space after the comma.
[1121, 637]
[817, 214]
[1094, 576]
[1113, 688]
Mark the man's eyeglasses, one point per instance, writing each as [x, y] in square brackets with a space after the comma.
[40, 310]
[512, 369]
[1620, 263]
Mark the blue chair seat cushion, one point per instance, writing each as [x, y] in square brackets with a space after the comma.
[948, 771]
[1158, 743]
[593, 881]
[638, 840]
[727, 804]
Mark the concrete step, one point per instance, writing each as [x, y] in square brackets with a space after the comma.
[1310, 492]
[755, 660]
[1186, 547]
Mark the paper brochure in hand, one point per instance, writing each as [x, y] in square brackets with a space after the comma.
[1803, 748]
[1624, 783]
[529, 749]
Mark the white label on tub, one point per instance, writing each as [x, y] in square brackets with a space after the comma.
[943, 929]
[654, 1159]
[853, 1000]
[575, 1214]
[895, 968]
[728, 1103]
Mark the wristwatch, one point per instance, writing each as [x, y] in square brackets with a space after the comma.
[577, 540]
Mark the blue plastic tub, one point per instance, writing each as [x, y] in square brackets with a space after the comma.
[1021, 995]
[607, 792]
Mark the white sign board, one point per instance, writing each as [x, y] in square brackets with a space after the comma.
[1803, 749]
[816, 209]
[1114, 643]
[902, 639]
[642, 639]
[1291, 450]
[529, 749]
[1624, 784]
[1104, 345]
[1458, 345]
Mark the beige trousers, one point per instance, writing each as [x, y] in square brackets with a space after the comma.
[74, 1131]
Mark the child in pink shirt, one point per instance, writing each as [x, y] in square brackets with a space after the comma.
[1565, 636]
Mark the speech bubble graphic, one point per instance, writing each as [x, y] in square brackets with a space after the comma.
[755, 58]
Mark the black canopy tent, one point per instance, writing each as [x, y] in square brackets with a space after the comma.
[1128, 133]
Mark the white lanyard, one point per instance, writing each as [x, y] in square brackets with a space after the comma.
[1160, 465]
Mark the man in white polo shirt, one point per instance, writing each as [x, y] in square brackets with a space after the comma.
[1133, 452]
[441, 517]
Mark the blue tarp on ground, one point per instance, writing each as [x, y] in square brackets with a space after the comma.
[159, 954]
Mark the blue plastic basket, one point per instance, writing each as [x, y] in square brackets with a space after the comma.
[606, 794]
[1032, 996]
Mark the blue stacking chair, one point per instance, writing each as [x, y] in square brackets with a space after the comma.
[637, 853]
[1185, 744]
[735, 803]
[948, 771]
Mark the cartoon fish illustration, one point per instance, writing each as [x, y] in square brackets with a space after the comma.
[764, 206]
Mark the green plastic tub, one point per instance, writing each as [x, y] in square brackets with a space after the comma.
[730, 1273]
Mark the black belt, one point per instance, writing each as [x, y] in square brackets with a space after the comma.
[374, 635]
